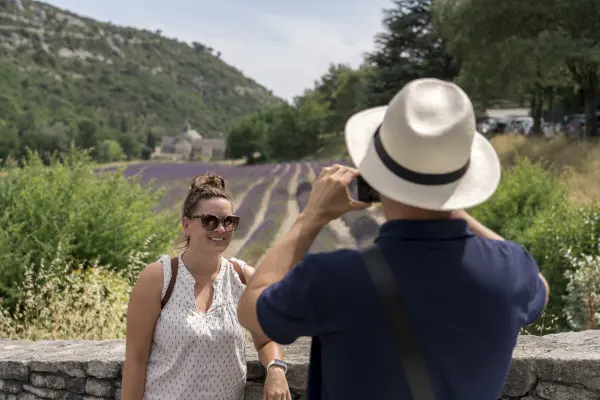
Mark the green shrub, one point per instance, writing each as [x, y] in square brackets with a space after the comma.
[109, 151]
[93, 216]
[526, 190]
[583, 291]
[557, 235]
[532, 208]
[62, 301]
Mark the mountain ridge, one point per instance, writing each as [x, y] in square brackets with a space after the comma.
[59, 67]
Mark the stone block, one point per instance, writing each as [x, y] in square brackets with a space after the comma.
[11, 386]
[14, 370]
[99, 387]
[49, 381]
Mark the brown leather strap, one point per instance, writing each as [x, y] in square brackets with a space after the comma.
[238, 269]
[174, 269]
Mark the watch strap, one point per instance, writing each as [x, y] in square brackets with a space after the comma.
[278, 363]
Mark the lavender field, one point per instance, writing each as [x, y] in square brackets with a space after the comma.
[267, 197]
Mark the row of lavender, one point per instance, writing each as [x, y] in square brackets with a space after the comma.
[326, 240]
[251, 204]
[176, 178]
[276, 213]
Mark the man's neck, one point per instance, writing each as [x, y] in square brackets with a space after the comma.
[395, 213]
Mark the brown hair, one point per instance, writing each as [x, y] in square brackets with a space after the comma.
[205, 186]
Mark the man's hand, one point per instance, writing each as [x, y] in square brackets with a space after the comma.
[329, 198]
[276, 385]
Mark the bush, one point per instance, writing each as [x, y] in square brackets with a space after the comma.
[583, 291]
[63, 301]
[525, 191]
[532, 208]
[558, 234]
[93, 216]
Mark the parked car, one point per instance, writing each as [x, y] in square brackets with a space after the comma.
[575, 127]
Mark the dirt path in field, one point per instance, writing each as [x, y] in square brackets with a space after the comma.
[237, 244]
[292, 208]
[341, 230]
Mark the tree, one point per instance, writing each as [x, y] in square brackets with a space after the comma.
[248, 136]
[342, 88]
[109, 151]
[560, 31]
[408, 49]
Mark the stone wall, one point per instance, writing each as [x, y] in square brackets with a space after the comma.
[553, 367]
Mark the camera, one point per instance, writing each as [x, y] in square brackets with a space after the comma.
[365, 193]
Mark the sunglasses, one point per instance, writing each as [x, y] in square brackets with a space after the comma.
[210, 222]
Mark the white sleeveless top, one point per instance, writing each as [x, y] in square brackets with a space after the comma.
[198, 356]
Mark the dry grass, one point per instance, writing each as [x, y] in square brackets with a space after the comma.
[576, 162]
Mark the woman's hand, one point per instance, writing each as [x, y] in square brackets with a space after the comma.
[276, 385]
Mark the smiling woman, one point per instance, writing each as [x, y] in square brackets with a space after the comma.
[184, 340]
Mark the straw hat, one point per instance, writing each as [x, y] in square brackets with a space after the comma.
[422, 149]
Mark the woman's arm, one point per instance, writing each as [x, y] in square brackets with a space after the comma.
[142, 312]
[266, 348]
[276, 385]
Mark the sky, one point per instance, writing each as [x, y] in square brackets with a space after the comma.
[284, 45]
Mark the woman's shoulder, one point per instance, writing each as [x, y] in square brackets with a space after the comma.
[151, 277]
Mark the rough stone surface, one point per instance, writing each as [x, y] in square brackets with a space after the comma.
[562, 366]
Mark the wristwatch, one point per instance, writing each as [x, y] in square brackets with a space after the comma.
[278, 363]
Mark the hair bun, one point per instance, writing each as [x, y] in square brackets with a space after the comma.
[201, 182]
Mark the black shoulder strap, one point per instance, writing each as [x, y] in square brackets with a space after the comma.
[397, 315]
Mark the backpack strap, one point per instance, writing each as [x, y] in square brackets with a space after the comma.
[174, 269]
[238, 269]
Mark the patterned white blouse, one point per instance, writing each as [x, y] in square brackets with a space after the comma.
[196, 355]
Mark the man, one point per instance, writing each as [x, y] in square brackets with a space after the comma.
[467, 290]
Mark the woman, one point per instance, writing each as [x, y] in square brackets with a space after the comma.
[193, 346]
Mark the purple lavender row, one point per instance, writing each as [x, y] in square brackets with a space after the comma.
[276, 212]
[362, 226]
[237, 181]
[304, 187]
[238, 184]
[326, 240]
[176, 178]
[251, 204]
[254, 249]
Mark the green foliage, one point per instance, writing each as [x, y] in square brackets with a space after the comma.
[284, 133]
[526, 190]
[126, 81]
[109, 151]
[93, 216]
[407, 49]
[583, 290]
[295, 131]
[248, 136]
[541, 44]
[531, 207]
[559, 231]
[59, 300]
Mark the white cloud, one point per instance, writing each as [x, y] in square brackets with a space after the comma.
[299, 53]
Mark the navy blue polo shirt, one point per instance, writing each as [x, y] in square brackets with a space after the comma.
[467, 298]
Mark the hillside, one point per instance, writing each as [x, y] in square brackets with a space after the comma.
[58, 69]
